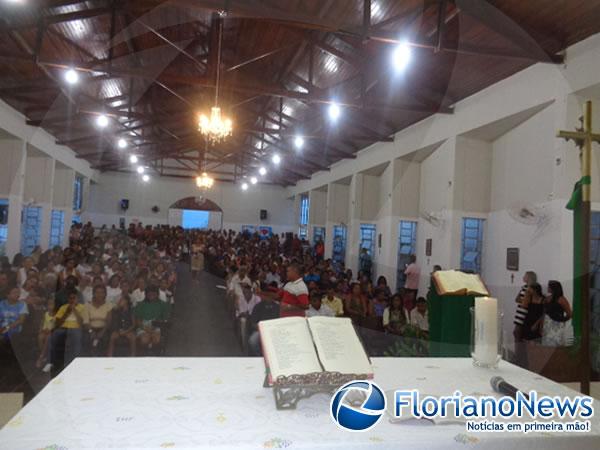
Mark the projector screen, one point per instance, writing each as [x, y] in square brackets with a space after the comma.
[195, 219]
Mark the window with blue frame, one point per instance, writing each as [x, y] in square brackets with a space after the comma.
[367, 237]
[31, 224]
[472, 244]
[304, 204]
[303, 228]
[367, 240]
[338, 253]
[57, 227]
[78, 193]
[318, 234]
[3, 225]
[407, 245]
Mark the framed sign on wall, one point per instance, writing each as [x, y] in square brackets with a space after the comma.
[428, 245]
[512, 259]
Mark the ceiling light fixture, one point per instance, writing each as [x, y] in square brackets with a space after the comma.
[122, 143]
[146, 178]
[71, 76]
[299, 142]
[102, 121]
[216, 128]
[401, 56]
[276, 159]
[203, 181]
[253, 180]
[140, 169]
[262, 171]
[334, 111]
[244, 186]
[133, 159]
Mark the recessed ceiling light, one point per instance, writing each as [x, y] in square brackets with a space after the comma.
[401, 56]
[71, 76]
[102, 121]
[140, 169]
[299, 142]
[276, 159]
[262, 171]
[253, 180]
[146, 178]
[122, 143]
[133, 159]
[334, 111]
[244, 186]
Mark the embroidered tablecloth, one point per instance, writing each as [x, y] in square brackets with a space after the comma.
[179, 403]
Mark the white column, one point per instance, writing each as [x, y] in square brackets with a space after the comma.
[39, 187]
[317, 210]
[12, 176]
[353, 234]
[62, 198]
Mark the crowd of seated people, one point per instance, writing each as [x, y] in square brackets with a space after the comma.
[278, 276]
[108, 291]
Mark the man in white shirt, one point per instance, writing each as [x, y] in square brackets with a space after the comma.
[246, 302]
[239, 278]
[273, 276]
[317, 308]
[419, 317]
[411, 285]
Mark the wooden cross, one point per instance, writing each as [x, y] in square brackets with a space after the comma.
[583, 138]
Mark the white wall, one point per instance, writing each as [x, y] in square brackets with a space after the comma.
[239, 207]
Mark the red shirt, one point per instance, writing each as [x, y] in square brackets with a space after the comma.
[294, 293]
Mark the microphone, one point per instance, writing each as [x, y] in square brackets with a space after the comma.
[501, 386]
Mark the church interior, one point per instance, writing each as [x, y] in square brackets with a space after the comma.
[179, 148]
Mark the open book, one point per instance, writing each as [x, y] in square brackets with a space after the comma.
[453, 282]
[298, 346]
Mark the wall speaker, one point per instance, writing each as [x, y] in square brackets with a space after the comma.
[125, 204]
[263, 214]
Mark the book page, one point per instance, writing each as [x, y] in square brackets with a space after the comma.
[476, 286]
[448, 282]
[338, 346]
[288, 347]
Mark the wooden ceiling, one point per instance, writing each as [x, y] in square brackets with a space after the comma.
[150, 66]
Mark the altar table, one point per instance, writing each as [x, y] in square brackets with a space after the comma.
[185, 403]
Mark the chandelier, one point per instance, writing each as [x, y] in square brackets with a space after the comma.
[204, 181]
[216, 128]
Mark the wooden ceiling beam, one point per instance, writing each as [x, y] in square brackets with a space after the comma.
[57, 18]
[494, 19]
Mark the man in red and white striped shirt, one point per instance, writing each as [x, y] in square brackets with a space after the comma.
[294, 295]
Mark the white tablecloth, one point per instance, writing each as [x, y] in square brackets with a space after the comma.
[180, 403]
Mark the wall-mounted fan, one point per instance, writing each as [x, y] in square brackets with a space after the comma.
[155, 209]
[538, 216]
[436, 219]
